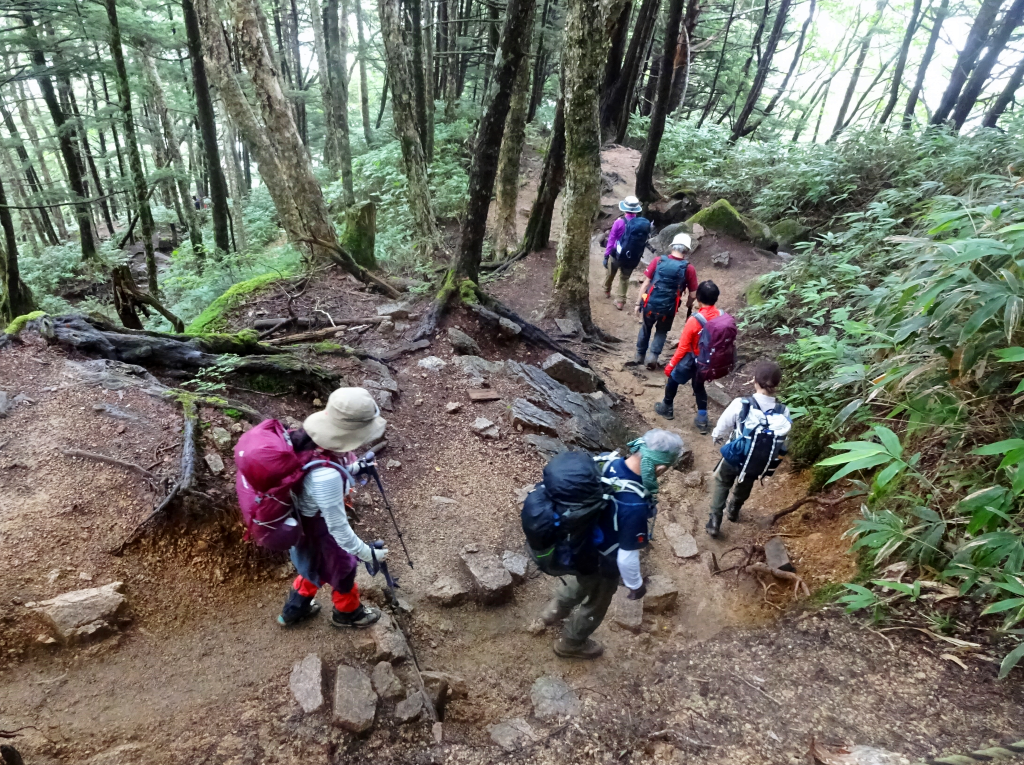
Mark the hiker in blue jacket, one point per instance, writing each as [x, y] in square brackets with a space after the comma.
[613, 552]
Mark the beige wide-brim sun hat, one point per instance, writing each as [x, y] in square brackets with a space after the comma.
[350, 419]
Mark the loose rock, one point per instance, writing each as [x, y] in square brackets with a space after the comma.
[449, 591]
[388, 640]
[394, 465]
[436, 684]
[661, 596]
[682, 542]
[546, 445]
[531, 417]
[552, 698]
[628, 614]
[221, 438]
[355, 703]
[516, 565]
[214, 462]
[485, 428]
[720, 259]
[394, 310]
[462, 343]
[307, 683]
[474, 366]
[718, 395]
[433, 363]
[710, 562]
[492, 582]
[444, 501]
[777, 556]
[570, 374]
[511, 734]
[409, 709]
[508, 328]
[386, 327]
[85, 613]
[453, 407]
[385, 682]
[693, 480]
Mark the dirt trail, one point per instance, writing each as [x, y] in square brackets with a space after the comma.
[201, 674]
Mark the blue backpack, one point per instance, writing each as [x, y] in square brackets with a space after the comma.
[630, 247]
[756, 449]
[668, 285]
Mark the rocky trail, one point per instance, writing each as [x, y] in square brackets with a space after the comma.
[179, 658]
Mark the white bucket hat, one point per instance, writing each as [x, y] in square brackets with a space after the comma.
[681, 242]
[631, 205]
[350, 419]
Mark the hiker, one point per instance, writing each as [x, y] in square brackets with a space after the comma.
[626, 243]
[665, 280]
[759, 425]
[683, 367]
[329, 551]
[586, 524]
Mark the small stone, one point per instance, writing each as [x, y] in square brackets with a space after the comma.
[511, 734]
[215, 463]
[718, 395]
[552, 698]
[453, 407]
[53, 576]
[418, 402]
[508, 328]
[85, 577]
[432, 363]
[317, 402]
[698, 231]
[693, 479]
[720, 259]
[475, 366]
[386, 327]
[436, 684]
[355, 703]
[449, 591]
[45, 639]
[221, 438]
[409, 709]
[523, 491]
[776, 555]
[386, 683]
[437, 731]
[628, 614]
[492, 582]
[682, 542]
[83, 613]
[394, 310]
[5, 403]
[393, 465]
[710, 562]
[516, 564]
[462, 344]
[307, 683]
[661, 596]
[388, 640]
[444, 501]
[569, 326]
[385, 400]
[485, 428]
[571, 374]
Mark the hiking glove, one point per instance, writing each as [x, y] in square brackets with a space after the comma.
[381, 554]
[638, 593]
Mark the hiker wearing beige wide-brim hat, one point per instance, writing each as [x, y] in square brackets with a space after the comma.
[350, 419]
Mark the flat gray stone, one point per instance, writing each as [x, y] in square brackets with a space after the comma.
[355, 703]
[720, 259]
[552, 698]
[462, 343]
[453, 407]
[628, 614]
[571, 374]
[485, 428]
[388, 640]
[777, 556]
[409, 709]
[394, 310]
[385, 682]
[436, 684]
[82, 614]
[385, 399]
[531, 417]
[307, 683]
[215, 462]
[508, 328]
[492, 583]
[718, 395]
[433, 363]
[546, 445]
[511, 734]
[444, 501]
[516, 564]
[221, 438]
[449, 591]
[569, 326]
[394, 465]
[661, 596]
[682, 542]
[474, 366]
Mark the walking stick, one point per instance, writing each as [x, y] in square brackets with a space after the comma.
[368, 464]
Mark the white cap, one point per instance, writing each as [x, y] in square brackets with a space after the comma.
[681, 242]
[631, 205]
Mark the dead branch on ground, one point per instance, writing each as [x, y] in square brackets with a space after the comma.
[801, 502]
[343, 258]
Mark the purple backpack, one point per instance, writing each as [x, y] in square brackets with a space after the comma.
[716, 349]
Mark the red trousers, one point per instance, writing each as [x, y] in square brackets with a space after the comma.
[346, 602]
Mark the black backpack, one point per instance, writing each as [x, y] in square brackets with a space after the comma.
[756, 449]
[630, 247]
[664, 293]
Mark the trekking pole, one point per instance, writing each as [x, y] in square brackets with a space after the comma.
[369, 464]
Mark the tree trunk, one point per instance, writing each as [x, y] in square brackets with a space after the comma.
[403, 108]
[926, 59]
[418, 79]
[993, 48]
[513, 46]
[976, 40]
[584, 54]
[208, 128]
[755, 48]
[613, 65]
[17, 298]
[1004, 99]
[319, 23]
[539, 66]
[89, 162]
[718, 67]
[195, 233]
[124, 96]
[858, 66]
[645, 190]
[298, 101]
[428, 77]
[507, 194]
[681, 64]
[66, 135]
[364, 90]
[763, 67]
[31, 224]
[107, 176]
[611, 108]
[901, 63]
[33, 139]
[552, 177]
[46, 232]
[237, 195]
[336, 33]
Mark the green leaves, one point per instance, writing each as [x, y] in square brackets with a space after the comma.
[862, 455]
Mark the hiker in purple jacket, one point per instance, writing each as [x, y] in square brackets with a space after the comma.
[626, 242]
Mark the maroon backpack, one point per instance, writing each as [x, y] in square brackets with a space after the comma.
[716, 349]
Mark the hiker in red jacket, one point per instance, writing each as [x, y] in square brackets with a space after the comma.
[683, 366]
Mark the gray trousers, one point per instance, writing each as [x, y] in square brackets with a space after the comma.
[725, 479]
[590, 596]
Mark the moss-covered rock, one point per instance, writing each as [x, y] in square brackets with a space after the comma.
[359, 234]
[214, 318]
[18, 322]
[790, 231]
[724, 218]
[754, 296]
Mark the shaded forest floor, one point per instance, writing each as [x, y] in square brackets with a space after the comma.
[735, 674]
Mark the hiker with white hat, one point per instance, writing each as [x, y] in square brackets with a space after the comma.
[665, 280]
[626, 243]
[329, 551]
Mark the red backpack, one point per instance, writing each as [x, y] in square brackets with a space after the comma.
[716, 349]
[268, 472]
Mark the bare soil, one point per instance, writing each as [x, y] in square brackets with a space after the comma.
[737, 673]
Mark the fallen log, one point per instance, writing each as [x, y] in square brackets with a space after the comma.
[312, 321]
[320, 334]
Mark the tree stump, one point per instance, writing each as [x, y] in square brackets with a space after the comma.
[360, 234]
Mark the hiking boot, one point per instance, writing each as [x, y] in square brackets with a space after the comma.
[361, 617]
[571, 649]
[297, 609]
[732, 511]
[638, 359]
[554, 613]
[665, 410]
[607, 293]
[701, 424]
[651, 362]
[619, 304]
[714, 526]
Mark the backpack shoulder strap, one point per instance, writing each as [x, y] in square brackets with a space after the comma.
[701, 319]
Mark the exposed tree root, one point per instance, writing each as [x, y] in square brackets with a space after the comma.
[129, 300]
[343, 258]
[762, 568]
[800, 503]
